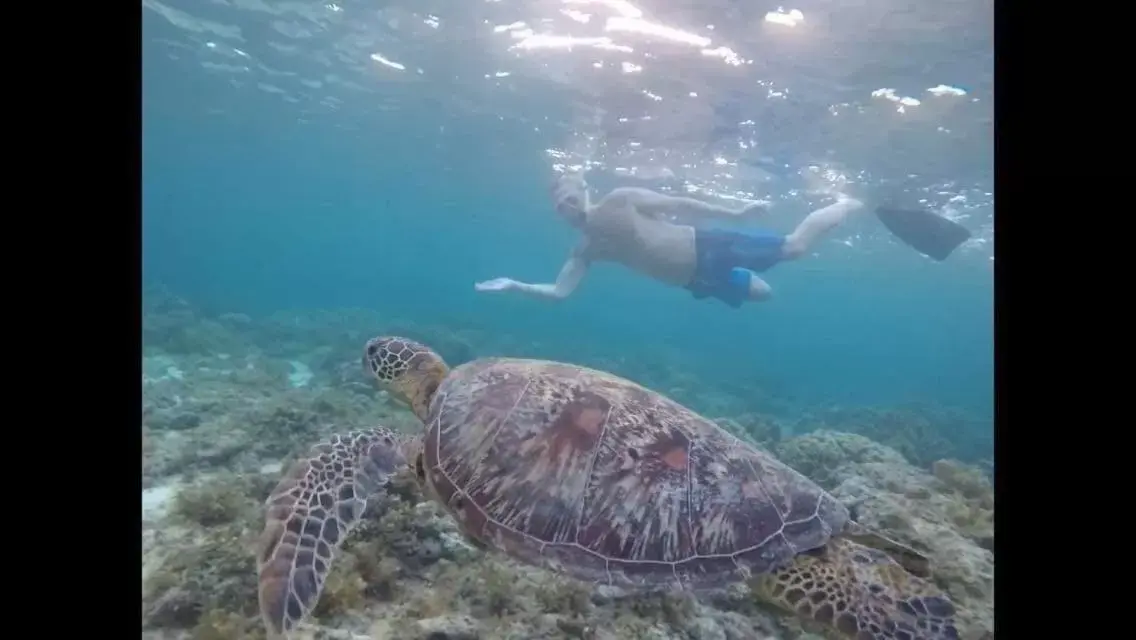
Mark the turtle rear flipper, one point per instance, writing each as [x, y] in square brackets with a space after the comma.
[859, 593]
[317, 504]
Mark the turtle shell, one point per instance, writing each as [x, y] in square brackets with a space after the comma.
[597, 477]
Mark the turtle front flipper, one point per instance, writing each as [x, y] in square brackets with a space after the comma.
[317, 504]
[859, 593]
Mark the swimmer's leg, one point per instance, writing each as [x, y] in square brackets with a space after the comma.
[756, 289]
[817, 224]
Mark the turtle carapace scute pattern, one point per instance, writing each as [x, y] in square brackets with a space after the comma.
[601, 479]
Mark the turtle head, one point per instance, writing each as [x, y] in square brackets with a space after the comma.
[408, 370]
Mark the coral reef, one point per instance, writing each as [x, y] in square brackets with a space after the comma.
[198, 567]
[228, 399]
[326, 342]
[204, 413]
[405, 574]
[408, 574]
[923, 433]
[949, 514]
[757, 428]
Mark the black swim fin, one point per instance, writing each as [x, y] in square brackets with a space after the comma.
[928, 233]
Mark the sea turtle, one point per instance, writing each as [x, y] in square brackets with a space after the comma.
[600, 479]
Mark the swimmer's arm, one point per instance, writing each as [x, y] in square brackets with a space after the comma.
[566, 283]
[681, 208]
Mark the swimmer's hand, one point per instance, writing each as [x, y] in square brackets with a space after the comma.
[497, 284]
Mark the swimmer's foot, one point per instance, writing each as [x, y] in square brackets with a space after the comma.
[928, 233]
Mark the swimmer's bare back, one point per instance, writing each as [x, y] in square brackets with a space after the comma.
[617, 230]
[638, 228]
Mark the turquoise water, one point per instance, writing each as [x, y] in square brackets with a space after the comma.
[284, 167]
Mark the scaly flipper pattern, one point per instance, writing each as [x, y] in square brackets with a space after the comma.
[317, 503]
[860, 593]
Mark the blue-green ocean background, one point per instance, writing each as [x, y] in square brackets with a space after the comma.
[246, 211]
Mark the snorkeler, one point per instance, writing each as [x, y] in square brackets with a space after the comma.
[664, 237]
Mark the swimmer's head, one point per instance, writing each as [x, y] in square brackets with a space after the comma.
[571, 199]
[571, 208]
